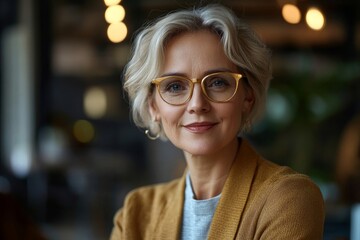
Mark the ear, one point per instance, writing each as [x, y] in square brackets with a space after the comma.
[248, 101]
[153, 109]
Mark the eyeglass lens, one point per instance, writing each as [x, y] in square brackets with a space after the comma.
[217, 87]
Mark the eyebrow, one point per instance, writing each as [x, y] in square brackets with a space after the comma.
[215, 70]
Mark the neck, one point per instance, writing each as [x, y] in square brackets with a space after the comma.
[209, 173]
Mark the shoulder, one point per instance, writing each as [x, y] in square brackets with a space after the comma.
[154, 193]
[150, 201]
[270, 179]
[290, 199]
[282, 178]
[141, 210]
[277, 181]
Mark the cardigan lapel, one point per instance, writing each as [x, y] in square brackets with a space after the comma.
[170, 221]
[236, 190]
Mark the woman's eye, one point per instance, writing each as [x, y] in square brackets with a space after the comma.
[175, 87]
[218, 83]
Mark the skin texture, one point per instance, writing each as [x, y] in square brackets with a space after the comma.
[204, 130]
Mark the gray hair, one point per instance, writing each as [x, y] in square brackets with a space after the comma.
[241, 45]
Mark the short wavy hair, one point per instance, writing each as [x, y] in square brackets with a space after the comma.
[241, 45]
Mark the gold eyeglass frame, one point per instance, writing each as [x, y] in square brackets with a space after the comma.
[236, 76]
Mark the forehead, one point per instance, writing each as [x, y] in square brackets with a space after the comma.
[195, 52]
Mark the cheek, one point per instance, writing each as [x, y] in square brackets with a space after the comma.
[233, 115]
[168, 115]
[170, 123]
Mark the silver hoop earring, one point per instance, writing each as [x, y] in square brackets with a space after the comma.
[151, 137]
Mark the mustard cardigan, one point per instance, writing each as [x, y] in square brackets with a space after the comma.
[260, 200]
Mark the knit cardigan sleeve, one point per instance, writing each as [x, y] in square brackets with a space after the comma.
[134, 219]
[126, 217]
[151, 212]
[293, 209]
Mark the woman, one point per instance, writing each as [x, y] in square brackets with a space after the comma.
[198, 78]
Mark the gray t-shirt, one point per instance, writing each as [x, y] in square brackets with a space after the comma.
[197, 214]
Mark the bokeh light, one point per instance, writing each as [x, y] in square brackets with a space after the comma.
[111, 2]
[83, 131]
[279, 108]
[21, 161]
[114, 14]
[291, 13]
[117, 32]
[95, 102]
[315, 19]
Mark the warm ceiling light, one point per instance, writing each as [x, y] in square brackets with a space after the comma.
[117, 32]
[291, 13]
[115, 13]
[315, 19]
[111, 2]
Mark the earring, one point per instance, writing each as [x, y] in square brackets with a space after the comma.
[154, 127]
[151, 137]
[247, 126]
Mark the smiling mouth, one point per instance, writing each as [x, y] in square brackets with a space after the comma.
[199, 127]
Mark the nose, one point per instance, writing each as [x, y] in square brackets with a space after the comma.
[198, 102]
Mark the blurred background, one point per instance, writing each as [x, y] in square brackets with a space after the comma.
[70, 153]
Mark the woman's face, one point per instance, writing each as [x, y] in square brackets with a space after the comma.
[200, 127]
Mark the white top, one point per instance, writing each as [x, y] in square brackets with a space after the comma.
[197, 214]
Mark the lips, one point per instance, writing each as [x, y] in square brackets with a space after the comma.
[199, 127]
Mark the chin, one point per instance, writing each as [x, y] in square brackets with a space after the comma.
[200, 149]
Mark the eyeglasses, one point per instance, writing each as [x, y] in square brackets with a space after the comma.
[218, 87]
